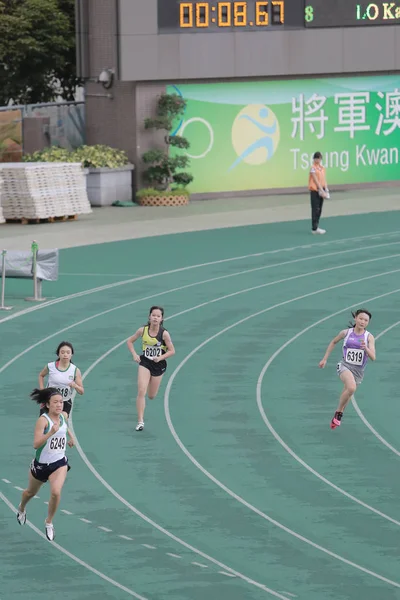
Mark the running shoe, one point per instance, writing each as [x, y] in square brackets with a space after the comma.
[21, 516]
[50, 533]
[140, 426]
[335, 423]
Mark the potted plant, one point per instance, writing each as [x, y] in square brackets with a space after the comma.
[109, 173]
[167, 183]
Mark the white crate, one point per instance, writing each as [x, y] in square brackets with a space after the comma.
[43, 190]
[2, 219]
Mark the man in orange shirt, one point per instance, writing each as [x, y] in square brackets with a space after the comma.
[318, 192]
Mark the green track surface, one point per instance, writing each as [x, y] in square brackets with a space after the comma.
[227, 493]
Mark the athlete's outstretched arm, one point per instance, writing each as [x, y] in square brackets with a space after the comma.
[78, 383]
[43, 373]
[331, 346]
[71, 441]
[170, 347]
[370, 347]
[130, 341]
[39, 437]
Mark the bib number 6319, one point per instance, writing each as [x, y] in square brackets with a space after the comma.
[354, 357]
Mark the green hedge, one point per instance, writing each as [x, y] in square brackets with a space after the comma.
[95, 157]
[162, 193]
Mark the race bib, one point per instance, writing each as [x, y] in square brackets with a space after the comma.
[57, 444]
[64, 391]
[151, 352]
[354, 357]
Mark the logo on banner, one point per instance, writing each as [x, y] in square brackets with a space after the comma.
[255, 135]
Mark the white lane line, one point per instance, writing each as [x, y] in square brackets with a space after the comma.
[99, 274]
[375, 433]
[223, 486]
[19, 488]
[340, 241]
[198, 283]
[231, 575]
[188, 268]
[278, 437]
[124, 537]
[247, 290]
[162, 529]
[197, 564]
[73, 557]
[360, 413]
[6, 481]
[136, 511]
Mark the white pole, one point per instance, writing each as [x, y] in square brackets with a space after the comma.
[37, 289]
[3, 280]
[34, 269]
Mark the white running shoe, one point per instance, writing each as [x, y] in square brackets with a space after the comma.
[318, 231]
[140, 426]
[50, 533]
[21, 516]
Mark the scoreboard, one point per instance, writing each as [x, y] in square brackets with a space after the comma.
[350, 13]
[179, 16]
[174, 40]
[210, 16]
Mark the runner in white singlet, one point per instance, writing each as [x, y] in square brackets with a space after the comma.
[64, 376]
[50, 462]
[358, 347]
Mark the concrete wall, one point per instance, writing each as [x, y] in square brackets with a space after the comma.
[147, 55]
[110, 114]
[122, 35]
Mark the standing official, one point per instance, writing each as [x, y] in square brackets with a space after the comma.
[318, 192]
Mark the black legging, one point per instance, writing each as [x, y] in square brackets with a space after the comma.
[316, 209]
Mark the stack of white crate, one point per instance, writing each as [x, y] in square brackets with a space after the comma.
[43, 190]
[2, 219]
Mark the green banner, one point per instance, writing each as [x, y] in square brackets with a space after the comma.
[261, 135]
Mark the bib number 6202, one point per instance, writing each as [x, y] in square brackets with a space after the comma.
[152, 352]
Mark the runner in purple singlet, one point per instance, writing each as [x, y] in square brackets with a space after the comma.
[358, 347]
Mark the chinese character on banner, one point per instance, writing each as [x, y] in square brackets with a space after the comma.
[390, 113]
[352, 112]
[311, 112]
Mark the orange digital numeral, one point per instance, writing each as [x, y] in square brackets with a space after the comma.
[202, 14]
[262, 13]
[186, 15]
[280, 15]
[224, 14]
[240, 14]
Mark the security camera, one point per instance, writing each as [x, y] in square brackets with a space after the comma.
[106, 78]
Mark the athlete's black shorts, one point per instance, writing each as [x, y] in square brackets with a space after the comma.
[66, 407]
[156, 369]
[42, 471]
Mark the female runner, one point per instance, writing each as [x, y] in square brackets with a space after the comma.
[157, 346]
[63, 375]
[50, 463]
[358, 347]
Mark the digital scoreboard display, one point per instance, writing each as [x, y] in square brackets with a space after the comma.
[179, 16]
[350, 13]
